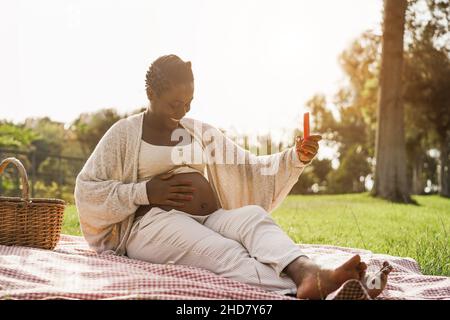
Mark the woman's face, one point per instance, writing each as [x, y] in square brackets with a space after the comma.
[173, 104]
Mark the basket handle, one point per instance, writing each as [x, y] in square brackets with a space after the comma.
[22, 172]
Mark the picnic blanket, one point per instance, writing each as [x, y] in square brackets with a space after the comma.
[73, 271]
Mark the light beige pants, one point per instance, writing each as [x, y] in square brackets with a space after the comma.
[243, 244]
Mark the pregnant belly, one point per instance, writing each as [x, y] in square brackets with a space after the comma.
[203, 202]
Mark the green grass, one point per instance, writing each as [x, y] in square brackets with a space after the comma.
[358, 220]
[71, 223]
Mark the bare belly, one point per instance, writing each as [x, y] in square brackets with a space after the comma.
[203, 202]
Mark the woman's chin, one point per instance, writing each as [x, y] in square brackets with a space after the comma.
[172, 123]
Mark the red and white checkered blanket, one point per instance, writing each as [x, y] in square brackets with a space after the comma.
[73, 271]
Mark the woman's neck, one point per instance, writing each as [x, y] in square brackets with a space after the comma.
[153, 121]
[156, 122]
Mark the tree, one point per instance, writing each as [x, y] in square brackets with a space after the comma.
[16, 137]
[350, 176]
[428, 97]
[361, 63]
[428, 82]
[89, 128]
[390, 170]
[50, 137]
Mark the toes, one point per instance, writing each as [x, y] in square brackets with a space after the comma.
[362, 267]
[352, 263]
[351, 269]
[362, 274]
[387, 268]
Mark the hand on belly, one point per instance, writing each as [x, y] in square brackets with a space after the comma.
[202, 203]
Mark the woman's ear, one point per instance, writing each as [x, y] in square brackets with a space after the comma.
[188, 64]
[150, 94]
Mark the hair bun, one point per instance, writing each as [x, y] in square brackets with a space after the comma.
[167, 71]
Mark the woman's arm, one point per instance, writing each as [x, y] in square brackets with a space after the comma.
[103, 195]
[250, 179]
[107, 202]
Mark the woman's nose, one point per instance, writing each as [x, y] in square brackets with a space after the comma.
[180, 110]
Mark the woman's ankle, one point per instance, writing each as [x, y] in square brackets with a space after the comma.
[299, 268]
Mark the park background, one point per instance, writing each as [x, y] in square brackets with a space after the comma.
[71, 69]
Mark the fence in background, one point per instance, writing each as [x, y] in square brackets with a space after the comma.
[53, 175]
[49, 176]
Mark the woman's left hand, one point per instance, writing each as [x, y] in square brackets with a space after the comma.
[307, 148]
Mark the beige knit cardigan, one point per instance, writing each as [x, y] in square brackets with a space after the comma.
[107, 193]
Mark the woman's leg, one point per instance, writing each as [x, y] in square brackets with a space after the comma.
[173, 236]
[255, 229]
[266, 242]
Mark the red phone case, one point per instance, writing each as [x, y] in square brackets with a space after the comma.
[306, 125]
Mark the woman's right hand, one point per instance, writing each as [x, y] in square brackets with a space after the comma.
[174, 192]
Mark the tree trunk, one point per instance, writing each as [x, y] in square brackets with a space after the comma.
[444, 175]
[390, 170]
[417, 183]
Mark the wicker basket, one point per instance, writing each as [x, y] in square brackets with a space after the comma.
[29, 222]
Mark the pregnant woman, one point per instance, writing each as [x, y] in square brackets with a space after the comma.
[165, 188]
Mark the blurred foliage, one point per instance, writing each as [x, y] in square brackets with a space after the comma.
[348, 121]
[53, 153]
[90, 127]
[15, 136]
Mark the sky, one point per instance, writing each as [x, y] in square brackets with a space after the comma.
[255, 63]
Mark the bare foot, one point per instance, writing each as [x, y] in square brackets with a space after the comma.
[317, 283]
[375, 283]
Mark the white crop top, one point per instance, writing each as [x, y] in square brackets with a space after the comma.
[154, 159]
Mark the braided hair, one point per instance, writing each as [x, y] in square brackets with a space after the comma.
[165, 72]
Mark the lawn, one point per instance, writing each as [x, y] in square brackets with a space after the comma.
[358, 220]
